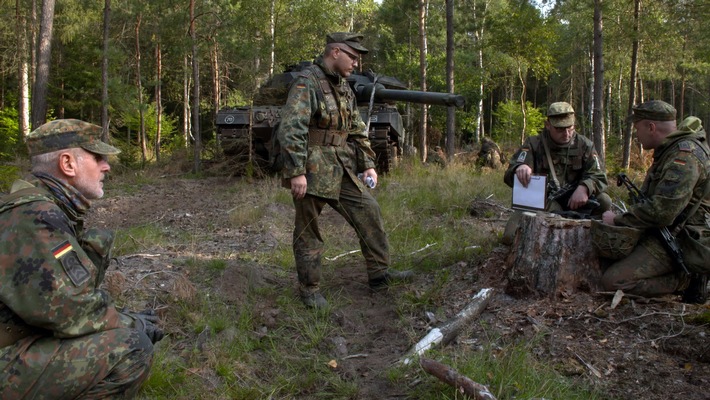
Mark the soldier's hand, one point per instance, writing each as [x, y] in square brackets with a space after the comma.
[608, 217]
[523, 172]
[579, 198]
[299, 184]
[146, 321]
[371, 173]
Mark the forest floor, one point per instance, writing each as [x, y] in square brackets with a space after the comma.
[640, 349]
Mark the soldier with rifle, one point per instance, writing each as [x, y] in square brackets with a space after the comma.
[672, 206]
[570, 162]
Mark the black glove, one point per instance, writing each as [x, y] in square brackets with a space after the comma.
[145, 321]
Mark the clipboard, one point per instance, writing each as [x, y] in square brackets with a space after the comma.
[533, 197]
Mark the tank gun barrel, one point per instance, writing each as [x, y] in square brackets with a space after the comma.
[363, 92]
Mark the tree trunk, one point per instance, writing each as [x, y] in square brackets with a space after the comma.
[214, 72]
[598, 100]
[552, 256]
[632, 86]
[104, 72]
[196, 92]
[44, 58]
[158, 99]
[139, 86]
[272, 35]
[186, 101]
[423, 8]
[451, 110]
[523, 105]
[23, 106]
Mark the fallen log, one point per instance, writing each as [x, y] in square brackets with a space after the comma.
[452, 377]
[451, 328]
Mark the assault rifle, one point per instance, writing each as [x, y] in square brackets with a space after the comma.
[666, 237]
[565, 192]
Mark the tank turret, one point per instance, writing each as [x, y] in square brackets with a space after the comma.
[245, 132]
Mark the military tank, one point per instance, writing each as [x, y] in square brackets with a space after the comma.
[245, 132]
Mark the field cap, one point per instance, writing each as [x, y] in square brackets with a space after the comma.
[65, 134]
[654, 110]
[349, 38]
[560, 114]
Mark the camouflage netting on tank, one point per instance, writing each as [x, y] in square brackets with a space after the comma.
[271, 96]
[613, 242]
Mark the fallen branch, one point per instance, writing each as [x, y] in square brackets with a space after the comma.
[450, 376]
[423, 248]
[451, 328]
[341, 255]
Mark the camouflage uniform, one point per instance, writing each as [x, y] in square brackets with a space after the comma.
[489, 155]
[675, 181]
[437, 157]
[323, 137]
[61, 336]
[574, 163]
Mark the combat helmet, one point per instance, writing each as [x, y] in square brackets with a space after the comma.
[613, 241]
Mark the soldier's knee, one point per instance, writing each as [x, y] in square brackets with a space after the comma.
[604, 202]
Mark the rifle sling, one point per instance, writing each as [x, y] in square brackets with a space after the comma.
[549, 161]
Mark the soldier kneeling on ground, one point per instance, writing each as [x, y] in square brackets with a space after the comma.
[674, 197]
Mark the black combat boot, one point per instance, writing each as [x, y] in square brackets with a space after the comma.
[697, 291]
[314, 300]
[390, 276]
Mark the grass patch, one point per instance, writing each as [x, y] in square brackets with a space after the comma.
[510, 371]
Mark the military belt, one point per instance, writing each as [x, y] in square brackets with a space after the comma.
[11, 333]
[324, 137]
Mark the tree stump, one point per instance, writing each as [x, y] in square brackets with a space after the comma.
[552, 256]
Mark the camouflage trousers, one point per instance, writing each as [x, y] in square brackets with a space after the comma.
[106, 365]
[361, 211]
[648, 271]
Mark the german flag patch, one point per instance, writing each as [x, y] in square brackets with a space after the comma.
[300, 86]
[62, 249]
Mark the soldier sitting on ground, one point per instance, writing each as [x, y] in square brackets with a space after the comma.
[436, 157]
[490, 155]
[60, 335]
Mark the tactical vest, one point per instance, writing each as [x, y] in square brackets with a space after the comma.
[324, 126]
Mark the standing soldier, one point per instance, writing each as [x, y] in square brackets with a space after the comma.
[677, 197]
[60, 335]
[324, 147]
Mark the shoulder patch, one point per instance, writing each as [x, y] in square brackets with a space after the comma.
[76, 271]
[685, 146]
[679, 162]
[521, 157]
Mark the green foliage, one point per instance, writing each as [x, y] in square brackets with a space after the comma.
[509, 125]
[10, 141]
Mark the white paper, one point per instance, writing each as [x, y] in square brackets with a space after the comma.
[531, 197]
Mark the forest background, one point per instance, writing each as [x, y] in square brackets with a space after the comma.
[155, 73]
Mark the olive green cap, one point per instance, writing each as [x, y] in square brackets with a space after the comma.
[654, 110]
[65, 134]
[349, 38]
[560, 114]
